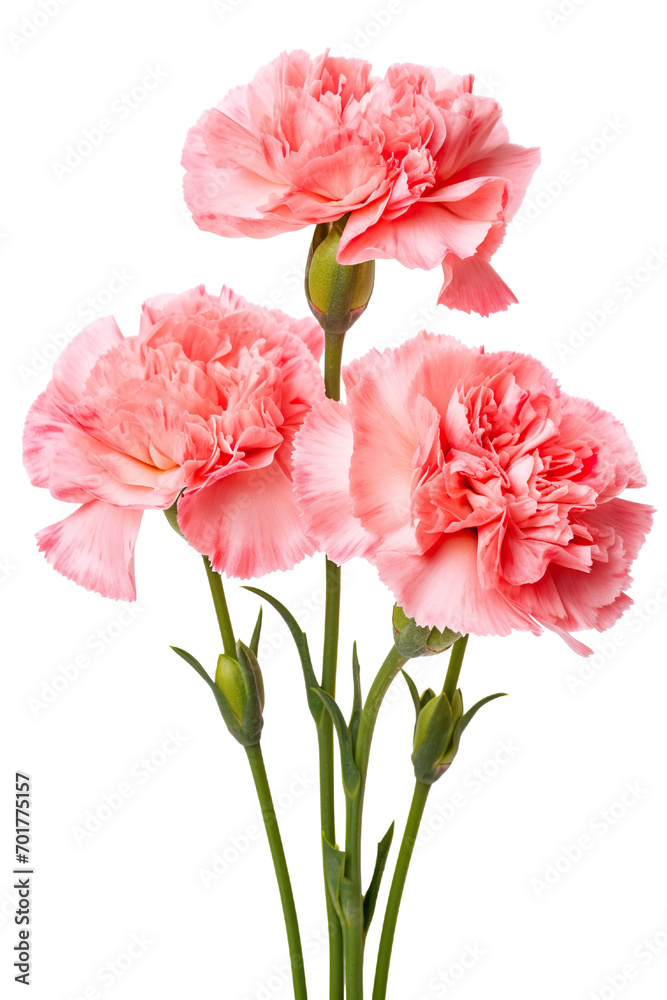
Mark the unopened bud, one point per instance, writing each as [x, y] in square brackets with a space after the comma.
[337, 293]
[242, 688]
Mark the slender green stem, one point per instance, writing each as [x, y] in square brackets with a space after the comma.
[327, 775]
[454, 668]
[409, 839]
[333, 353]
[258, 769]
[333, 357]
[383, 681]
[256, 761]
[353, 909]
[221, 609]
[353, 927]
[396, 892]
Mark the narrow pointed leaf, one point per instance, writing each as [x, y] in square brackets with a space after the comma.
[351, 776]
[414, 693]
[370, 899]
[472, 712]
[254, 642]
[357, 703]
[195, 664]
[226, 712]
[465, 722]
[301, 643]
[334, 866]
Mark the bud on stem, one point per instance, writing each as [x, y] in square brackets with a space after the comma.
[337, 293]
[239, 680]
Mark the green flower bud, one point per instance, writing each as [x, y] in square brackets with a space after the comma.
[440, 725]
[433, 735]
[337, 293]
[242, 689]
[413, 640]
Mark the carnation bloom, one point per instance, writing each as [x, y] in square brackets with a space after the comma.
[206, 400]
[423, 167]
[487, 499]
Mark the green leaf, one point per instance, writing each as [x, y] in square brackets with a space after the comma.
[370, 899]
[226, 712]
[351, 776]
[357, 703]
[301, 643]
[195, 664]
[412, 687]
[465, 722]
[254, 642]
[334, 867]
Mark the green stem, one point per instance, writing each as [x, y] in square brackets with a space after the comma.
[221, 609]
[454, 668]
[258, 769]
[261, 780]
[383, 681]
[409, 839]
[333, 353]
[325, 738]
[333, 357]
[353, 909]
[396, 892]
[353, 929]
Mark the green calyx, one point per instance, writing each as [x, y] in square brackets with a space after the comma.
[413, 640]
[440, 725]
[337, 293]
[241, 689]
[171, 514]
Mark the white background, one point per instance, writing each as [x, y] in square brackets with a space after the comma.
[475, 882]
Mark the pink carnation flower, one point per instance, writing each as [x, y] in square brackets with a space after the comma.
[487, 499]
[423, 166]
[207, 400]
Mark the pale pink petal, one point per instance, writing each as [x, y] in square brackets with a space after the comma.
[389, 434]
[322, 453]
[442, 589]
[226, 200]
[94, 546]
[248, 524]
[71, 370]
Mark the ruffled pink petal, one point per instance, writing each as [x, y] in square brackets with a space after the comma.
[472, 285]
[44, 430]
[616, 464]
[390, 433]
[322, 454]
[226, 200]
[515, 163]
[586, 595]
[421, 237]
[442, 589]
[76, 362]
[248, 524]
[94, 546]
